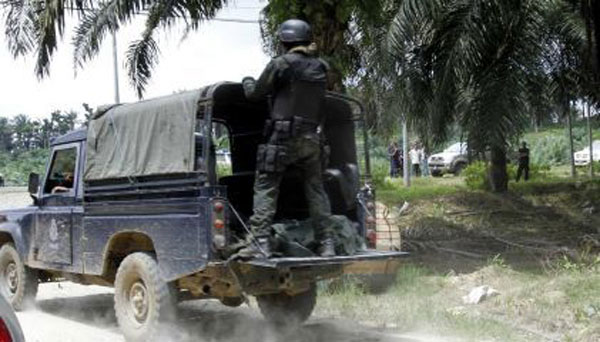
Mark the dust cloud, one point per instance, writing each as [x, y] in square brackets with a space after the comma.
[68, 312]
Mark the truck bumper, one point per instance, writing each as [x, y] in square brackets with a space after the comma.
[275, 275]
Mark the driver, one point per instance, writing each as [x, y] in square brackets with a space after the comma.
[65, 185]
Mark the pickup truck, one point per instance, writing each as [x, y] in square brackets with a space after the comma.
[452, 160]
[136, 201]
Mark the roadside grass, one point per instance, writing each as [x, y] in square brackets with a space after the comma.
[550, 306]
[538, 245]
[421, 300]
[393, 189]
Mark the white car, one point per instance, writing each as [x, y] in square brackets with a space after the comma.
[452, 160]
[582, 157]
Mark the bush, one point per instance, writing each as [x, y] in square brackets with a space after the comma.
[476, 174]
[16, 168]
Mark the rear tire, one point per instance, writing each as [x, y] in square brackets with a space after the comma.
[18, 283]
[283, 310]
[143, 300]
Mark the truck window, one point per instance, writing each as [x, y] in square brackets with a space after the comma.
[223, 152]
[61, 176]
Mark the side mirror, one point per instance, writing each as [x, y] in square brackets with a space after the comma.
[34, 184]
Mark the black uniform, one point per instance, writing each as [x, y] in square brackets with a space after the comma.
[297, 83]
[523, 163]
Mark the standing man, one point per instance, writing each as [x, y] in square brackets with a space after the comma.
[523, 162]
[394, 155]
[296, 82]
[415, 159]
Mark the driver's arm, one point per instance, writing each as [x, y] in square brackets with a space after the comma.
[60, 188]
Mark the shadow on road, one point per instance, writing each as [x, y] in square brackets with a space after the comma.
[210, 321]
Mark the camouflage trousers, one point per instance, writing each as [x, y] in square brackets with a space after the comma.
[304, 152]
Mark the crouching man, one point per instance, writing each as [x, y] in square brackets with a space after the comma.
[296, 81]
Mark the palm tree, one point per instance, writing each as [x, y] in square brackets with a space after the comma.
[6, 143]
[470, 62]
[341, 29]
[35, 27]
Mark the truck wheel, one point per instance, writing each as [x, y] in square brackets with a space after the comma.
[284, 310]
[18, 283]
[458, 168]
[142, 298]
[233, 302]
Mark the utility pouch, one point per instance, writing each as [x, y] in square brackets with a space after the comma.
[281, 131]
[271, 158]
[301, 125]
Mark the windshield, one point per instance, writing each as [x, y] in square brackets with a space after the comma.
[457, 148]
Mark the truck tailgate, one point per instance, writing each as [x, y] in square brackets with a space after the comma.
[370, 255]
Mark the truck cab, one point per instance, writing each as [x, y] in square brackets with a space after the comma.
[139, 202]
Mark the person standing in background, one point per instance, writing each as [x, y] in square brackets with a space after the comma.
[523, 162]
[394, 156]
[415, 160]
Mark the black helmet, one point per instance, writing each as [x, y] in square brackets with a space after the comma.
[294, 30]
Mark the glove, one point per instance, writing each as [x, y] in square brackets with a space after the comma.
[248, 80]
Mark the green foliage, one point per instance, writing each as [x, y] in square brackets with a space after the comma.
[23, 133]
[380, 170]
[550, 146]
[332, 22]
[35, 27]
[16, 168]
[476, 174]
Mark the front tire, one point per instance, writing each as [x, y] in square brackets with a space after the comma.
[18, 283]
[143, 299]
[436, 173]
[459, 168]
[285, 310]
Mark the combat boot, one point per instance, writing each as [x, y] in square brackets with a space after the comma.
[259, 247]
[328, 247]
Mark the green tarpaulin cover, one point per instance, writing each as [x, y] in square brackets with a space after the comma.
[151, 137]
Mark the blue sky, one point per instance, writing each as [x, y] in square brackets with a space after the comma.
[218, 51]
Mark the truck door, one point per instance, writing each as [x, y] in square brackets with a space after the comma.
[53, 245]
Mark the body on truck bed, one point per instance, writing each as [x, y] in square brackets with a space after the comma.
[137, 201]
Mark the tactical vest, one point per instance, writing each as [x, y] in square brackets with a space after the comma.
[300, 91]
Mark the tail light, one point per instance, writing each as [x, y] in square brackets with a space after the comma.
[219, 226]
[371, 238]
[4, 333]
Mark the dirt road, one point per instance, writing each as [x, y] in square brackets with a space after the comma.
[68, 312]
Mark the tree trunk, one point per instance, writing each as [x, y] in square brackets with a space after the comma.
[589, 127]
[498, 176]
[406, 162]
[571, 148]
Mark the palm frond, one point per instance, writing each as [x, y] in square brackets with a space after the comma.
[142, 56]
[20, 26]
[89, 34]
